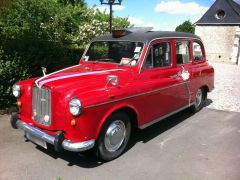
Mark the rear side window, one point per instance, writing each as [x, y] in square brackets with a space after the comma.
[159, 55]
[183, 52]
[197, 51]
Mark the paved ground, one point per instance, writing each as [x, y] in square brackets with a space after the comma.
[201, 146]
[185, 146]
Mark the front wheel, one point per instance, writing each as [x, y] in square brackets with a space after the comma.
[114, 136]
[199, 100]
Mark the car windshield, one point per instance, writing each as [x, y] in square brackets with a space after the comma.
[120, 52]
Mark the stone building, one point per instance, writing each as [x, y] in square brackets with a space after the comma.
[220, 32]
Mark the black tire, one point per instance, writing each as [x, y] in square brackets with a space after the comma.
[103, 150]
[199, 102]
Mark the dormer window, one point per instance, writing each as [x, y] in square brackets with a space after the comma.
[220, 14]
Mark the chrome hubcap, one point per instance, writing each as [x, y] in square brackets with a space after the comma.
[115, 135]
[198, 98]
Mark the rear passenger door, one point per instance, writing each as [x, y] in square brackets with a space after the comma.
[166, 91]
[183, 57]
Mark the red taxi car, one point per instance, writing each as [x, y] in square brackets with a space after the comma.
[125, 80]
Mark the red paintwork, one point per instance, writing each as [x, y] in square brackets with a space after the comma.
[90, 89]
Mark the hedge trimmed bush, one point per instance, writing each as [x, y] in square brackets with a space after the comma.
[19, 65]
[12, 69]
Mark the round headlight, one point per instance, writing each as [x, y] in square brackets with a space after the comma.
[16, 90]
[75, 107]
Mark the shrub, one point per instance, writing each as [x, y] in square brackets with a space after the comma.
[16, 66]
[12, 69]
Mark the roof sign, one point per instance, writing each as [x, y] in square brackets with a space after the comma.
[120, 33]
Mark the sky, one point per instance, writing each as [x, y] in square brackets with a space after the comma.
[159, 14]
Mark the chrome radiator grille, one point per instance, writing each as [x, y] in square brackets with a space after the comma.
[41, 106]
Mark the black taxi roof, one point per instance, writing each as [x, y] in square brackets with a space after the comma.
[146, 37]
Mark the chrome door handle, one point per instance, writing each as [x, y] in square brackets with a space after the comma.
[175, 76]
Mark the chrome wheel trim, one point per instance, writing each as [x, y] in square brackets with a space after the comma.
[115, 136]
[198, 100]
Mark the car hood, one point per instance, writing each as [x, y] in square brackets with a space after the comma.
[82, 77]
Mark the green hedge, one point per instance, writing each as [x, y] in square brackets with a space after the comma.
[21, 61]
[12, 69]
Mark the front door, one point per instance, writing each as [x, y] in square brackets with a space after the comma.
[166, 90]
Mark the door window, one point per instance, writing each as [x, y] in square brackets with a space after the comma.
[183, 52]
[197, 51]
[159, 55]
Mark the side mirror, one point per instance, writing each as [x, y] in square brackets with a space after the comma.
[112, 80]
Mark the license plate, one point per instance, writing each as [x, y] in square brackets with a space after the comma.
[36, 140]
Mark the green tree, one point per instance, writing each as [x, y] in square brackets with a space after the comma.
[97, 23]
[4, 3]
[72, 2]
[186, 26]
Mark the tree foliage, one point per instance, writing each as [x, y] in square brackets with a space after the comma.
[49, 33]
[186, 26]
[72, 2]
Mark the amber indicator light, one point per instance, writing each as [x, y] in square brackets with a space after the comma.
[73, 122]
[19, 103]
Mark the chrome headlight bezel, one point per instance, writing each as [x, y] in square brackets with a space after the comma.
[16, 90]
[75, 106]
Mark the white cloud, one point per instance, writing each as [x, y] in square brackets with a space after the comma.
[118, 8]
[178, 7]
[135, 21]
[106, 8]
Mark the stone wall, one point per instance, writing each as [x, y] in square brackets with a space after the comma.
[220, 42]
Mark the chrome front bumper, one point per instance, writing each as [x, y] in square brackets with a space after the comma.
[65, 144]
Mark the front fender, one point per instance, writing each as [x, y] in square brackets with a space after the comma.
[114, 108]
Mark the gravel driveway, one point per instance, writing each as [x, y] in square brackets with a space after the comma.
[226, 95]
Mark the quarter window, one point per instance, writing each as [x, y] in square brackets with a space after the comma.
[182, 52]
[197, 51]
[159, 55]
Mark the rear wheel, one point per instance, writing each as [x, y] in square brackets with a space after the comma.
[199, 100]
[114, 136]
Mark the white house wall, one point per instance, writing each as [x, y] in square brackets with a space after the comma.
[219, 42]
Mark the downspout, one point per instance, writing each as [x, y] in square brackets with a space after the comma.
[238, 51]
